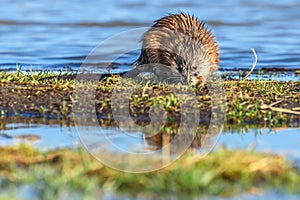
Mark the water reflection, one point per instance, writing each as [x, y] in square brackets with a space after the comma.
[56, 133]
[131, 150]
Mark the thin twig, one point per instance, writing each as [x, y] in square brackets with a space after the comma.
[275, 103]
[145, 88]
[284, 110]
[296, 109]
[277, 109]
[253, 64]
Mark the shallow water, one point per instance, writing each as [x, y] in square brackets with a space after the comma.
[48, 136]
[283, 141]
[58, 35]
[53, 134]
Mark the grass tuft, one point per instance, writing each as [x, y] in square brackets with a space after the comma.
[222, 172]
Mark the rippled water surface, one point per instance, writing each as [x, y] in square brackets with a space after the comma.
[59, 35]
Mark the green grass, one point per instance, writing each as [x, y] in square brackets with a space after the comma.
[43, 94]
[222, 172]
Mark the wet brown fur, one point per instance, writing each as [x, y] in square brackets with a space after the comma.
[180, 43]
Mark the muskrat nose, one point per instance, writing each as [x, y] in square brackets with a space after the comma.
[196, 79]
[196, 74]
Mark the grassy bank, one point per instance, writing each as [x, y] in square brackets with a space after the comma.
[267, 103]
[222, 172]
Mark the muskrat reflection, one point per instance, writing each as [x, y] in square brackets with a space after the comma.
[180, 142]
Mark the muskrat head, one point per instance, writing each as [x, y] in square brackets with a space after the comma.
[196, 65]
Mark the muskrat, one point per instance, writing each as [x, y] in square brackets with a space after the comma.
[178, 47]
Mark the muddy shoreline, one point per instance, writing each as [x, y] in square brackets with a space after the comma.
[268, 103]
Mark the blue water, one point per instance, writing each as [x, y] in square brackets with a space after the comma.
[58, 35]
[283, 141]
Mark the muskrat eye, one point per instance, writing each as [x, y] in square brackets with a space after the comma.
[196, 74]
